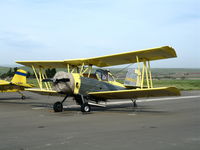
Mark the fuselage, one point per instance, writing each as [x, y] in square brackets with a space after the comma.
[79, 84]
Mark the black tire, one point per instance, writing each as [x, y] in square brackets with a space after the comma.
[58, 107]
[23, 97]
[85, 108]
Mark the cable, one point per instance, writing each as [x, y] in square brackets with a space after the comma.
[121, 71]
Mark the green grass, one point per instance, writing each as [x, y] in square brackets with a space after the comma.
[32, 81]
[180, 84]
[175, 70]
[4, 70]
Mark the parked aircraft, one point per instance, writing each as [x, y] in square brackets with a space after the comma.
[88, 89]
[17, 84]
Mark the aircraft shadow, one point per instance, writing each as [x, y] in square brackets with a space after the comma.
[122, 108]
[119, 108]
[13, 98]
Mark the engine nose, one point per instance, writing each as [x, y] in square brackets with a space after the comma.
[64, 87]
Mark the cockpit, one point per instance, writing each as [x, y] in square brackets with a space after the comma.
[104, 75]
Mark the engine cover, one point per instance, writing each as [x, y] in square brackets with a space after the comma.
[64, 87]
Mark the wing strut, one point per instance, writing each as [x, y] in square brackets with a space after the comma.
[134, 102]
[145, 74]
[41, 75]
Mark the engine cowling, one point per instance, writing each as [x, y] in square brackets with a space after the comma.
[62, 86]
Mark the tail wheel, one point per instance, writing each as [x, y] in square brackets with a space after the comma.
[23, 97]
[58, 107]
[85, 108]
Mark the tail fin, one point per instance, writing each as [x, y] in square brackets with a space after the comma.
[19, 77]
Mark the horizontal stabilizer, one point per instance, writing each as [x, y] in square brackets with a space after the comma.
[3, 82]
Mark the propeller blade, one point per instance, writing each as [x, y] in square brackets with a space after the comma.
[47, 80]
[56, 80]
[63, 80]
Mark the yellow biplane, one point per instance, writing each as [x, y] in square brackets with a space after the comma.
[17, 84]
[87, 87]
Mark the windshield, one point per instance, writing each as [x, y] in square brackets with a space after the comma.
[104, 75]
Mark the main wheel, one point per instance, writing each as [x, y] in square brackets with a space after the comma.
[58, 107]
[85, 108]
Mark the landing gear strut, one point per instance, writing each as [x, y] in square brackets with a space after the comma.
[85, 107]
[22, 95]
[134, 102]
[58, 106]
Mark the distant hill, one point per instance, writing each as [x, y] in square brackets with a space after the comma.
[3, 69]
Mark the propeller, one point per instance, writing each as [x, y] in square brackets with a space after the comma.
[56, 80]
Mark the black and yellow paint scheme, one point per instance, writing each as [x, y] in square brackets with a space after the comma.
[84, 86]
[17, 84]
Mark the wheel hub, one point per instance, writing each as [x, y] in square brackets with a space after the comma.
[86, 108]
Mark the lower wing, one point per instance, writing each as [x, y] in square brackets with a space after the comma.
[43, 91]
[136, 93]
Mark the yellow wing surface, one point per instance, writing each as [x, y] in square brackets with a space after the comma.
[43, 91]
[109, 60]
[137, 93]
[3, 82]
[6, 86]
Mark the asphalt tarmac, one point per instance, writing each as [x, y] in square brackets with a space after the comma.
[156, 124]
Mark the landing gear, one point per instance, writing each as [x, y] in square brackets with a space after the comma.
[58, 106]
[83, 102]
[22, 95]
[85, 107]
[134, 102]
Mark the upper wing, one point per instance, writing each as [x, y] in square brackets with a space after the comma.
[137, 93]
[109, 60]
[44, 64]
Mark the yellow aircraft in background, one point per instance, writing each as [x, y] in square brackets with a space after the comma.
[88, 89]
[17, 84]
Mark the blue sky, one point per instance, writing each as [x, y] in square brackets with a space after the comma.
[66, 29]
